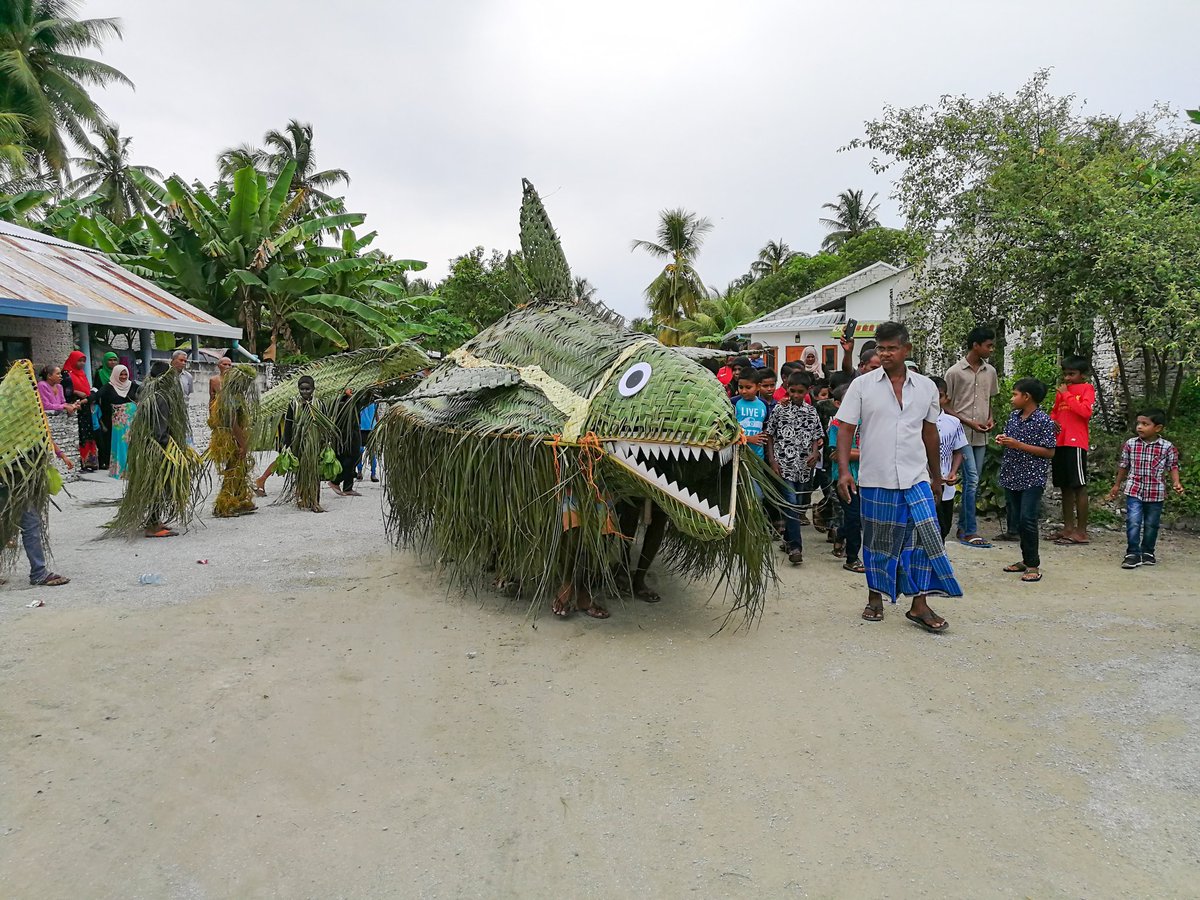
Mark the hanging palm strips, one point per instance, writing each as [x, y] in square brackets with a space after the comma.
[306, 461]
[26, 455]
[233, 411]
[166, 478]
[382, 372]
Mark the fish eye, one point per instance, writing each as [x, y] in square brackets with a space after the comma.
[635, 378]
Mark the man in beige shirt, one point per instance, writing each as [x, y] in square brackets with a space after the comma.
[972, 383]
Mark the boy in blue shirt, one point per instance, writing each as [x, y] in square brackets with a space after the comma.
[751, 412]
[1028, 442]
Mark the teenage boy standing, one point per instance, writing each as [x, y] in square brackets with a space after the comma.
[971, 383]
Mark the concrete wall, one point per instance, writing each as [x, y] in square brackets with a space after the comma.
[50, 340]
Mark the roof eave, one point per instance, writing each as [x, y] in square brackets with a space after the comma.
[120, 320]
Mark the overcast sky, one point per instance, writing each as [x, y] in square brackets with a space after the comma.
[614, 110]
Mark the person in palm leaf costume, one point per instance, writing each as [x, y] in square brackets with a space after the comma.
[231, 413]
[305, 455]
[166, 477]
[27, 474]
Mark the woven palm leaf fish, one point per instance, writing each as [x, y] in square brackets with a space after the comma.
[553, 408]
[382, 371]
[26, 454]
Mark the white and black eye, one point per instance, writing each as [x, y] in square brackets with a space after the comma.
[635, 378]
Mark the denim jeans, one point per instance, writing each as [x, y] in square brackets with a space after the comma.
[31, 537]
[972, 466]
[851, 530]
[1141, 525]
[1024, 507]
[795, 492]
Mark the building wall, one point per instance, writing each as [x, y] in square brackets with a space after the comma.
[50, 340]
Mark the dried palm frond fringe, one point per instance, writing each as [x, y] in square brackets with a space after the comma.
[166, 481]
[26, 456]
[492, 504]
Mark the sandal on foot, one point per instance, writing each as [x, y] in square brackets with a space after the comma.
[1014, 568]
[559, 608]
[164, 533]
[975, 541]
[856, 567]
[926, 624]
[259, 492]
[596, 612]
[53, 580]
[873, 613]
[1031, 577]
[646, 595]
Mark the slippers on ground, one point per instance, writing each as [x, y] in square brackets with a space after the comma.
[596, 612]
[259, 492]
[164, 533]
[1069, 541]
[1007, 536]
[856, 567]
[977, 542]
[53, 580]
[872, 613]
[1031, 577]
[646, 595]
[1014, 568]
[926, 624]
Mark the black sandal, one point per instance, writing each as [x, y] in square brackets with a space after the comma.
[926, 624]
[873, 613]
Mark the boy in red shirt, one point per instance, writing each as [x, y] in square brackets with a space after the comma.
[1073, 404]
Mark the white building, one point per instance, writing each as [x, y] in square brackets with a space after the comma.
[871, 296]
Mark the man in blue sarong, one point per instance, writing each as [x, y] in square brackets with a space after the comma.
[895, 412]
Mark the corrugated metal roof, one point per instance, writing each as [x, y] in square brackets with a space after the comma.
[843, 287]
[796, 323]
[83, 285]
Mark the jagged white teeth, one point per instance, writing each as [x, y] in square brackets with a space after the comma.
[708, 453]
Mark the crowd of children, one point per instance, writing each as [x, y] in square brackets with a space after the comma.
[789, 421]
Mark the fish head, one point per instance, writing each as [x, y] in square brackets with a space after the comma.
[669, 434]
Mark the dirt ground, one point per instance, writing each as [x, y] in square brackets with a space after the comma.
[359, 732]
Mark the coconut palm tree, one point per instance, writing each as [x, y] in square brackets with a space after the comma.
[585, 291]
[107, 173]
[772, 257]
[232, 159]
[295, 145]
[851, 217]
[43, 79]
[677, 291]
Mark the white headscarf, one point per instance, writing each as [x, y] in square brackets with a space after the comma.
[115, 382]
[815, 368]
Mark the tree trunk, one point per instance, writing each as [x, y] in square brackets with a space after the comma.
[1122, 375]
[1147, 374]
[1173, 407]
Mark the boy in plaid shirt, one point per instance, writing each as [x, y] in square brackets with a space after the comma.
[1145, 462]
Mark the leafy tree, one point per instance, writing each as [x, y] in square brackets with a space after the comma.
[801, 276]
[478, 289]
[890, 245]
[107, 173]
[851, 217]
[771, 258]
[44, 80]
[677, 291]
[1079, 229]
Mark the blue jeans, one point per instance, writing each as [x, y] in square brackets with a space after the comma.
[972, 466]
[1024, 508]
[31, 537]
[795, 493]
[1141, 525]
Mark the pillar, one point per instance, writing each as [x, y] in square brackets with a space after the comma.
[195, 348]
[85, 344]
[146, 339]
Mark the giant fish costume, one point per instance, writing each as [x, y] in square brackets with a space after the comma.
[510, 456]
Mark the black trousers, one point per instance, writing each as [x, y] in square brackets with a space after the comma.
[1024, 508]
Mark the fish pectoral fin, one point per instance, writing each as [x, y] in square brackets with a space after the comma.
[458, 381]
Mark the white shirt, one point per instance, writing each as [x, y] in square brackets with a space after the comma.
[891, 450]
[951, 439]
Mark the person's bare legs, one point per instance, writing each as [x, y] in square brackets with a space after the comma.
[873, 612]
[261, 481]
[1068, 513]
[1081, 513]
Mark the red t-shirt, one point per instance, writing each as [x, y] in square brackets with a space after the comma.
[781, 393]
[1072, 411]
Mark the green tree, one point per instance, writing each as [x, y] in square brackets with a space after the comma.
[677, 291]
[478, 289]
[716, 317]
[107, 173]
[801, 276]
[890, 245]
[851, 217]
[44, 80]
[771, 258]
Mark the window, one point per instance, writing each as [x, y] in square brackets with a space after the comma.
[12, 349]
[829, 360]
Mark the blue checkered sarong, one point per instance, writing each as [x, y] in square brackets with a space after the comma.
[902, 543]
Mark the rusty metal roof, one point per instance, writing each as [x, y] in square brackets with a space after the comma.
[44, 277]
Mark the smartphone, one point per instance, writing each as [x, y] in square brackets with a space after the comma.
[851, 327]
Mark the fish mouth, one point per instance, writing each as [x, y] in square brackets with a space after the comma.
[701, 478]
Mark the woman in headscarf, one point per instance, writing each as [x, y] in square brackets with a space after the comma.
[77, 389]
[812, 363]
[103, 435]
[118, 403]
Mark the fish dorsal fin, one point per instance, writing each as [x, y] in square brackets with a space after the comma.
[546, 270]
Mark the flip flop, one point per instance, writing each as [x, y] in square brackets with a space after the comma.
[596, 612]
[259, 492]
[646, 595]
[1015, 568]
[976, 542]
[164, 533]
[1031, 578]
[1069, 541]
[858, 568]
[53, 580]
[872, 613]
[932, 629]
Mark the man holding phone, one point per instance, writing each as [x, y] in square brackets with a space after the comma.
[971, 383]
